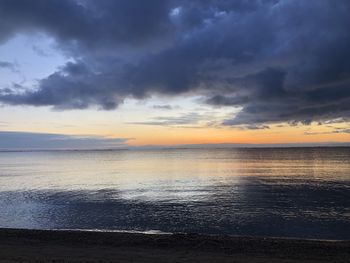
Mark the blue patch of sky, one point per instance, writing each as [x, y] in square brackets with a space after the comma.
[35, 57]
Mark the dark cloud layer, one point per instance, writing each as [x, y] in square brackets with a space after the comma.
[279, 61]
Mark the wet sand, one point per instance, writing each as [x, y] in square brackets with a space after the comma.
[80, 246]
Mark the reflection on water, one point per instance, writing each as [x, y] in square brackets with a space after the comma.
[292, 192]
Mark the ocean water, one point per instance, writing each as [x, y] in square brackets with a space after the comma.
[283, 192]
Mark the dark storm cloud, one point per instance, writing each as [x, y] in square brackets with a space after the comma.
[279, 61]
[88, 22]
[10, 140]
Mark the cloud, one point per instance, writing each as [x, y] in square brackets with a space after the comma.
[3, 123]
[178, 121]
[39, 51]
[163, 107]
[336, 130]
[8, 65]
[255, 127]
[10, 140]
[278, 61]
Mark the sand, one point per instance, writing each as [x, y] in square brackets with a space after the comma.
[81, 246]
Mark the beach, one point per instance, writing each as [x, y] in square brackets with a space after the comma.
[17, 245]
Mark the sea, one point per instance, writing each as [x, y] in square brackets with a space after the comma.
[267, 192]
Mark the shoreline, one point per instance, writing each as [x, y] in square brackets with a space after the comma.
[18, 245]
[159, 232]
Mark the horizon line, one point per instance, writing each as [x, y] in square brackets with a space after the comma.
[191, 146]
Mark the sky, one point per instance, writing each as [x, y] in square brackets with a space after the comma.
[121, 73]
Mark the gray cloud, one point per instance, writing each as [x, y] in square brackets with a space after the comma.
[279, 61]
[10, 140]
[336, 130]
[41, 52]
[162, 107]
[8, 65]
[177, 121]
[4, 64]
[255, 127]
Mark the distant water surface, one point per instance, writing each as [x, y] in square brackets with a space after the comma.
[286, 192]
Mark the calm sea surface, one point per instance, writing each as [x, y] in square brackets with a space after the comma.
[291, 192]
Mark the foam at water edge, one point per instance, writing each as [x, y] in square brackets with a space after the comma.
[148, 232]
